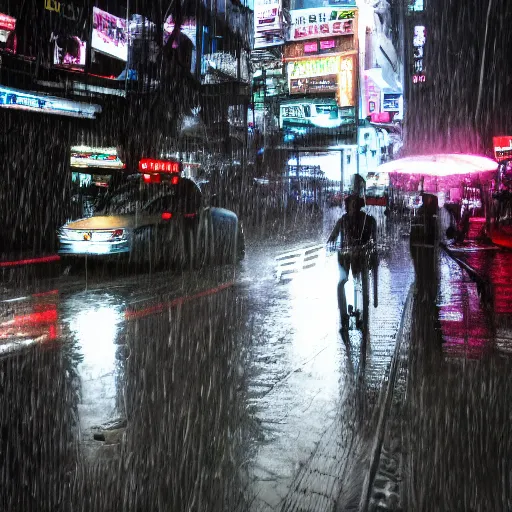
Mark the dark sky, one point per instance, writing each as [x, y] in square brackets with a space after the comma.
[467, 98]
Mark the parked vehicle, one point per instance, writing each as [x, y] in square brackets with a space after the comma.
[159, 219]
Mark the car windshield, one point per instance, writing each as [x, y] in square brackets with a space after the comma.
[151, 198]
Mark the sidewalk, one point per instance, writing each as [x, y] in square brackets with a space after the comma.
[331, 476]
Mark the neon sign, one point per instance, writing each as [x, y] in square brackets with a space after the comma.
[327, 45]
[314, 67]
[418, 42]
[84, 156]
[321, 22]
[148, 165]
[502, 147]
[346, 82]
[7, 23]
[20, 100]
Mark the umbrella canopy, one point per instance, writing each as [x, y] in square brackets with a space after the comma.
[440, 165]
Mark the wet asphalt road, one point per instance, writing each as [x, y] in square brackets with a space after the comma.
[230, 390]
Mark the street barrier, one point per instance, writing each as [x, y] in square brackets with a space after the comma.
[291, 262]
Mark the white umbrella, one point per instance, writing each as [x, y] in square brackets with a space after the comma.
[440, 165]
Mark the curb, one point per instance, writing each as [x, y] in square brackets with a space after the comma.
[384, 405]
[483, 284]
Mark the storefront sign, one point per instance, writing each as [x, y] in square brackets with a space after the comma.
[21, 100]
[314, 67]
[7, 23]
[502, 147]
[99, 158]
[327, 46]
[418, 42]
[311, 47]
[327, 83]
[165, 166]
[346, 96]
[267, 23]
[321, 22]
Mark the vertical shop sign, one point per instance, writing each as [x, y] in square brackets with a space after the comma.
[346, 82]
[418, 43]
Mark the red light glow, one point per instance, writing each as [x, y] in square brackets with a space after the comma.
[164, 166]
[175, 180]
[166, 216]
[152, 178]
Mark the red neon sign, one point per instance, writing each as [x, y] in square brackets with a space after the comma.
[7, 23]
[326, 45]
[416, 79]
[502, 147]
[165, 166]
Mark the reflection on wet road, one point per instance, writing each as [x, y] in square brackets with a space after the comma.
[231, 390]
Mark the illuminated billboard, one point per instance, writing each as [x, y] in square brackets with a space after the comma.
[324, 74]
[268, 27]
[307, 114]
[85, 156]
[321, 22]
[7, 34]
[299, 49]
[109, 34]
[502, 147]
[188, 28]
[69, 51]
[33, 102]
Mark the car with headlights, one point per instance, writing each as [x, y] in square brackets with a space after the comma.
[155, 219]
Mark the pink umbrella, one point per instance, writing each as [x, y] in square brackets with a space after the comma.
[440, 165]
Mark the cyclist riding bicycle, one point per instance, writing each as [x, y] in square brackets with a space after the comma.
[356, 250]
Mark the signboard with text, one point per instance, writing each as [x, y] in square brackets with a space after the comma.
[319, 84]
[85, 156]
[268, 29]
[321, 22]
[502, 147]
[297, 50]
[324, 74]
[22, 100]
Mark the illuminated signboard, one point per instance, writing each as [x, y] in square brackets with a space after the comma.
[321, 22]
[314, 67]
[188, 28]
[415, 5]
[346, 96]
[165, 166]
[324, 74]
[297, 50]
[502, 147]
[7, 23]
[85, 156]
[311, 47]
[268, 27]
[69, 51]
[21, 100]
[308, 114]
[7, 34]
[325, 83]
[418, 42]
[109, 34]
[328, 44]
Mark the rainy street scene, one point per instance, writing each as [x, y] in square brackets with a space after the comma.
[255, 256]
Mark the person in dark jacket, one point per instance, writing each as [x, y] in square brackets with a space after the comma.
[358, 232]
